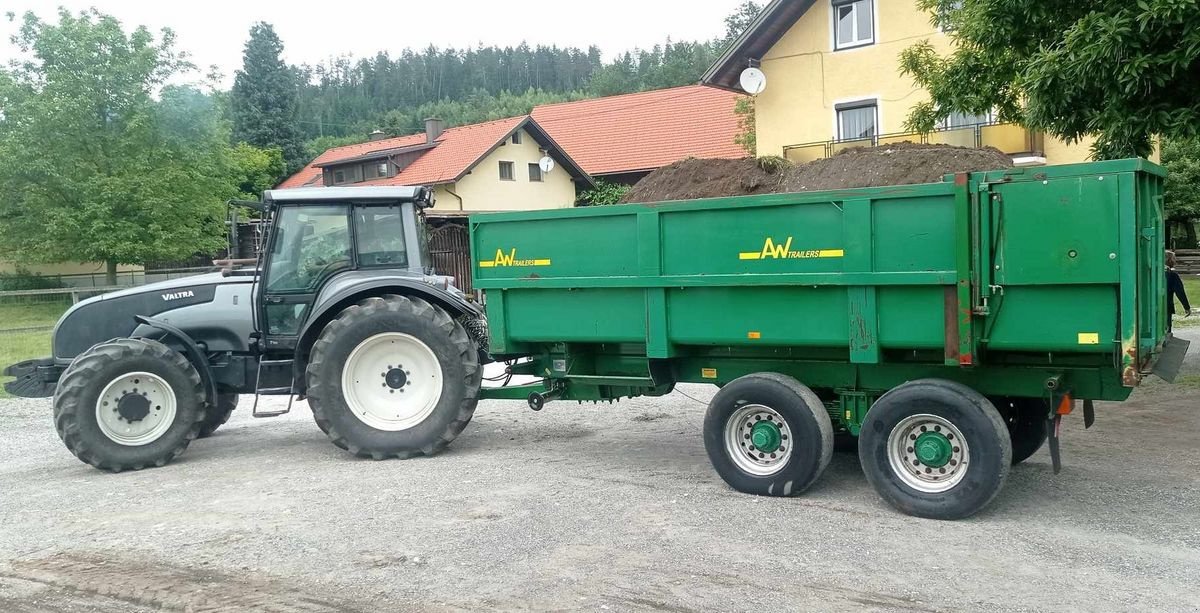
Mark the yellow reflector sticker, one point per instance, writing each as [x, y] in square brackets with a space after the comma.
[754, 335]
[1089, 338]
[752, 255]
[708, 373]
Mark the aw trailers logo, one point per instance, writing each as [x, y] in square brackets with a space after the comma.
[783, 251]
[509, 260]
[178, 295]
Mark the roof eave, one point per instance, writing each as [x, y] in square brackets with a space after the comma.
[762, 34]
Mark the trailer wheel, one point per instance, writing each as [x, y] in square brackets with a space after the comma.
[128, 403]
[1026, 419]
[218, 415]
[935, 449]
[767, 434]
[393, 377]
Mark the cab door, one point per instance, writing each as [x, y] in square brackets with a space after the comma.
[308, 245]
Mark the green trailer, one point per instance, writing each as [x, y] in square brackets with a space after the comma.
[947, 326]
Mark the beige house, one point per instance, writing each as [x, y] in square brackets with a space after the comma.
[504, 165]
[833, 82]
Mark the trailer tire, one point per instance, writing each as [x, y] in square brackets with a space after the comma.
[935, 449]
[143, 434]
[217, 415]
[782, 415]
[1027, 421]
[436, 392]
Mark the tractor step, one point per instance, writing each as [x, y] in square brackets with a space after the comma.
[273, 391]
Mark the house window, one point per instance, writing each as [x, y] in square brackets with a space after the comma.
[853, 23]
[506, 171]
[535, 173]
[349, 174]
[965, 120]
[857, 120]
[381, 169]
[339, 176]
[516, 139]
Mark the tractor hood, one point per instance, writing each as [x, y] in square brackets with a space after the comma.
[109, 316]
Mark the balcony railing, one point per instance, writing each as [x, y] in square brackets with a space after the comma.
[1009, 138]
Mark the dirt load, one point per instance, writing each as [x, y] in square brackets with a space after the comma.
[897, 164]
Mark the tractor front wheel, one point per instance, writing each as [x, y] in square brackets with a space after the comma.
[393, 376]
[128, 404]
[217, 415]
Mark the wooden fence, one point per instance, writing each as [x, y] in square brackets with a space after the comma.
[1189, 261]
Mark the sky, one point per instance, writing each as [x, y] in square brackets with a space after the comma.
[214, 31]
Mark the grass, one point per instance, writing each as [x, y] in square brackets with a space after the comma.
[1191, 284]
[19, 346]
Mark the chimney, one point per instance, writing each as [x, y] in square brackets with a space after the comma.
[433, 129]
[377, 135]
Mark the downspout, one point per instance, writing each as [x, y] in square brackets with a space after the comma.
[460, 200]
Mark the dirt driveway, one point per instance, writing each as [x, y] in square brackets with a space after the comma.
[610, 507]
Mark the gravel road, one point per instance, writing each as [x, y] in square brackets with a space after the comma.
[610, 507]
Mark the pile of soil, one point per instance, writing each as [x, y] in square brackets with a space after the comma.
[897, 164]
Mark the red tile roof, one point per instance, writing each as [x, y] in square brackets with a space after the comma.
[646, 130]
[457, 151]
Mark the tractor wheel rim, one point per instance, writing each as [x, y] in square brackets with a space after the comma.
[136, 409]
[392, 381]
[928, 453]
[753, 425]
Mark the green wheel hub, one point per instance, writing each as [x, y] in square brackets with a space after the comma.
[766, 436]
[933, 449]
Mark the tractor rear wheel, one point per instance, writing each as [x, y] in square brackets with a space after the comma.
[127, 404]
[217, 415]
[393, 377]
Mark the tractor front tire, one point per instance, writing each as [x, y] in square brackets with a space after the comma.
[128, 404]
[217, 415]
[393, 377]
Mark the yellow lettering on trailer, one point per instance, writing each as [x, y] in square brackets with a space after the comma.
[509, 260]
[772, 250]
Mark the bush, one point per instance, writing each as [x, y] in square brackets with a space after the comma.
[22, 279]
[605, 193]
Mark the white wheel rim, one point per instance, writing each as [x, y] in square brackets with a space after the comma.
[128, 421]
[906, 464]
[740, 447]
[392, 381]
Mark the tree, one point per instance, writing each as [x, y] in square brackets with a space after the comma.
[1182, 197]
[263, 100]
[739, 20]
[255, 170]
[92, 167]
[1121, 70]
[747, 135]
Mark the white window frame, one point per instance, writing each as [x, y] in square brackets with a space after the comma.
[512, 171]
[852, 103]
[833, 25]
[538, 176]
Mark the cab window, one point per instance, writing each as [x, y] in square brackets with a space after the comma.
[380, 235]
[313, 242]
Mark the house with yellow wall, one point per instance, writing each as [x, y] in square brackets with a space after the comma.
[501, 165]
[833, 82]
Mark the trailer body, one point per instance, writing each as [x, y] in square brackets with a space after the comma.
[1026, 282]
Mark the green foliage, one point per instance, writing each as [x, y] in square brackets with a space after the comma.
[1181, 157]
[605, 193]
[740, 19]
[747, 135]
[1119, 70]
[264, 102]
[93, 168]
[22, 279]
[478, 106]
[255, 170]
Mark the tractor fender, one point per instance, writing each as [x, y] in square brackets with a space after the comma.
[330, 303]
[147, 328]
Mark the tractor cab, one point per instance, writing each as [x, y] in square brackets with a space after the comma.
[319, 234]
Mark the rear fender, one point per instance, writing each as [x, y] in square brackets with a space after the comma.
[329, 307]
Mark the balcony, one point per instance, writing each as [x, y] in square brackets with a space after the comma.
[1010, 138]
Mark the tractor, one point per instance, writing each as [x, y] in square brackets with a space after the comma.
[342, 307]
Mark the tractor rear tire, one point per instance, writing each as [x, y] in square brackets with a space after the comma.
[128, 404]
[216, 416]
[393, 377]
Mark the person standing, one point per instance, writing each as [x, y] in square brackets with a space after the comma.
[1175, 290]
